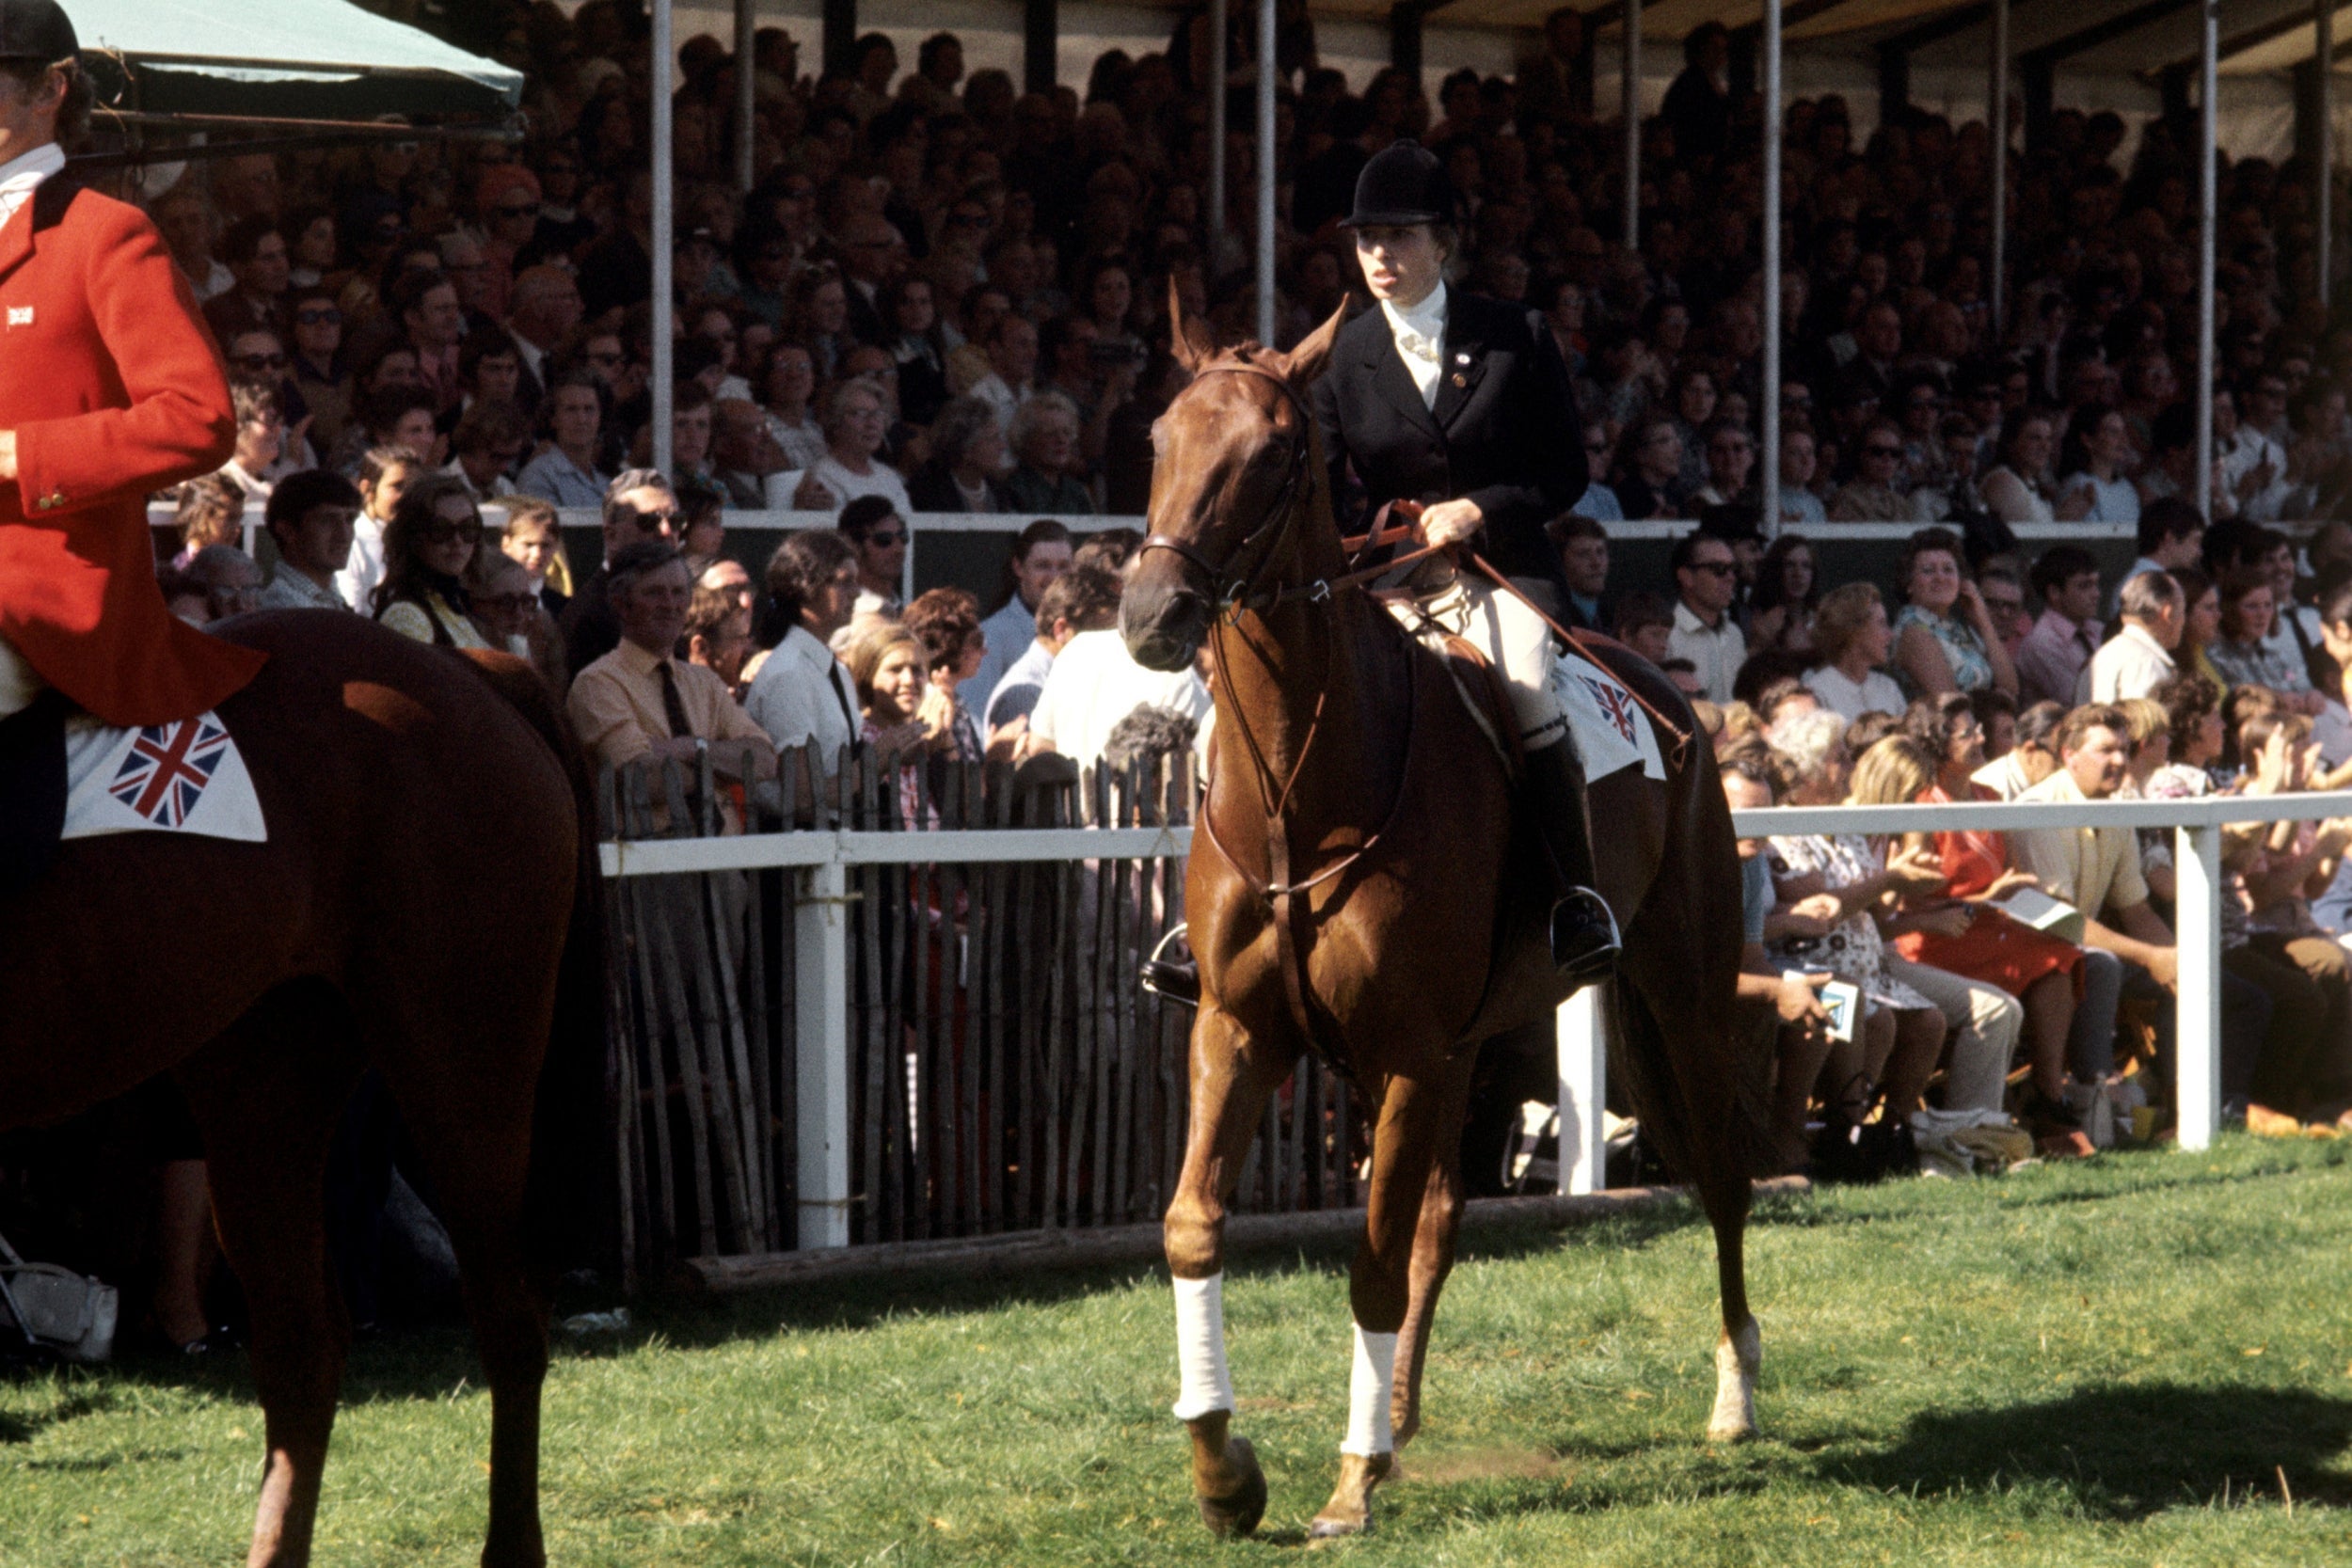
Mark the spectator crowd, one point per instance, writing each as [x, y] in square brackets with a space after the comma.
[943, 294]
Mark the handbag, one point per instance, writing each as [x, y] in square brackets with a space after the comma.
[56, 1310]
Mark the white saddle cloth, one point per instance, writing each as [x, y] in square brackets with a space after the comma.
[182, 778]
[1613, 732]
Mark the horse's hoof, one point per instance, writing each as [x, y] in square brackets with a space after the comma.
[1349, 1512]
[1238, 1513]
[1730, 1431]
[1340, 1528]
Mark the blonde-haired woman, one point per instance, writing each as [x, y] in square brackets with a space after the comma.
[903, 722]
[1852, 635]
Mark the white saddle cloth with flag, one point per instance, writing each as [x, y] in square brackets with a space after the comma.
[182, 778]
[1612, 731]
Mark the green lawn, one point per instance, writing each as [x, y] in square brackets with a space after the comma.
[2102, 1363]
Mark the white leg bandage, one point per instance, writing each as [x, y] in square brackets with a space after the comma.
[1368, 1389]
[1204, 1382]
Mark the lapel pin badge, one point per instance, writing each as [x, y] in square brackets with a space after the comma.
[1460, 380]
[20, 315]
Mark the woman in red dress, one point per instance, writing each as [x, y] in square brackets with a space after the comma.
[1986, 943]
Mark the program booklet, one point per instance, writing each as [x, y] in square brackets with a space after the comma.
[2037, 908]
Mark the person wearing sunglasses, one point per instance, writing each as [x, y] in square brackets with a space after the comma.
[879, 534]
[1707, 579]
[435, 530]
[1599, 502]
[1871, 496]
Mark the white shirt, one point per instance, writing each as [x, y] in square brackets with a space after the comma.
[356, 582]
[880, 480]
[21, 177]
[1718, 649]
[1876, 692]
[1009, 632]
[802, 694]
[1095, 683]
[2132, 664]
[1419, 332]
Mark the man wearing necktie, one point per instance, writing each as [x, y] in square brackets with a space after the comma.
[640, 700]
[1462, 404]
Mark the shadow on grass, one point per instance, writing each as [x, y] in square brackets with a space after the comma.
[2120, 1454]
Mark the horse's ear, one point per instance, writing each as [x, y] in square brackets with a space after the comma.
[1187, 338]
[1306, 361]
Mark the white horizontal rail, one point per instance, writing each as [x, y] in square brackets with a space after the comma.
[2210, 811]
[665, 857]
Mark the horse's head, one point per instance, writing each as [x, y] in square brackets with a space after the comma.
[1232, 462]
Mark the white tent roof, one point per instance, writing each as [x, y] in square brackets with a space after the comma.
[297, 43]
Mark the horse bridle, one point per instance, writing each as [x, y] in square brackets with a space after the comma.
[1228, 589]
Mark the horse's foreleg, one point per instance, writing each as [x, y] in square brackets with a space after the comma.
[1232, 1079]
[1415, 1119]
[268, 1096]
[1432, 1259]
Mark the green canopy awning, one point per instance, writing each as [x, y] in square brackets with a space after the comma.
[315, 59]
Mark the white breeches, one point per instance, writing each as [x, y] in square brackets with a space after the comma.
[1509, 633]
[19, 682]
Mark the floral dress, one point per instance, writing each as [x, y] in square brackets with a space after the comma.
[1853, 949]
[1963, 649]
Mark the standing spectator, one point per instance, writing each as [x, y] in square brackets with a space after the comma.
[1039, 554]
[947, 623]
[2051, 661]
[385, 473]
[1944, 638]
[1851, 636]
[900, 720]
[640, 508]
[640, 700]
[1094, 684]
[718, 635]
[1081, 599]
[572, 418]
[801, 693]
[1705, 632]
[879, 534]
[2138, 658]
[311, 515]
[427, 546]
[1585, 568]
[2171, 535]
[1045, 448]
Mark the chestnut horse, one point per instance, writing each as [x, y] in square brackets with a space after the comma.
[425, 904]
[1355, 892]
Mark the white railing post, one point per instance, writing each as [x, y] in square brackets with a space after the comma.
[1583, 1047]
[821, 1043]
[2196, 858]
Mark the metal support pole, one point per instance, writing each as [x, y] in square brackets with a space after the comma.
[746, 101]
[1582, 1043]
[2197, 910]
[821, 1026]
[1220, 64]
[1040, 45]
[2324, 177]
[1633, 124]
[2209, 207]
[1998, 282]
[1266, 30]
[664, 201]
[1769, 488]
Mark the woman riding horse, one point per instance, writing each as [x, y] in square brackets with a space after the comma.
[1462, 404]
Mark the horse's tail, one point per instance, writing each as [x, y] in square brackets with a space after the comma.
[573, 1190]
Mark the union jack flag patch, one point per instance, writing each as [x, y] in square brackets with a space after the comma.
[1617, 704]
[166, 772]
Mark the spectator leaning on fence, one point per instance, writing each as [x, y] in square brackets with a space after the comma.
[1040, 553]
[310, 515]
[640, 700]
[800, 692]
[1095, 683]
[1084, 599]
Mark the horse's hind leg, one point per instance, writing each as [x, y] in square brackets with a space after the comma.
[1232, 1077]
[268, 1095]
[1417, 1122]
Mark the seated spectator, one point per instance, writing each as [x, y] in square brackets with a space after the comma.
[1799, 462]
[259, 456]
[2018, 487]
[791, 384]
[1831, 883]
[946, 621]
[1730, 457]
[2051, 659]
[1585, 565]
[1787, 595]
[1598, 502]
[701, 524]
[428, 545]
[1082, 600]
[385, 473]
[745, 457]
[208, 511]
[1943, 637]
[1644, 623]
[2171, 536]
[489, 442]
[968, 458]
[1040, 553]
[2138, 658]
[639, 507]
[229, 579]
[878, 532]
[535, 538]
[1852, 636]
[800, 692]
[856, 420]
[1048, 459]
[1649, 470]
[565, 472]
[1095, 683]
[310, 515]
[2028, 759]
[2004, 598]
[506, 611]
[639, 700]
[2098, 449]
[1871, 497]
[2244, 654]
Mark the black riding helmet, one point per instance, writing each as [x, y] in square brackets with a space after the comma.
[1401, 184]
[36, 30]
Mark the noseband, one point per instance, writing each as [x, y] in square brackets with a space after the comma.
[1228, 588]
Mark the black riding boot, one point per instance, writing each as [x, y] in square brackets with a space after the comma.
[1584, 942]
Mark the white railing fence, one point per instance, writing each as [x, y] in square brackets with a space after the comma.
[823, 862]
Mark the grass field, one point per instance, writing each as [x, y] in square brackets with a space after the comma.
[2111, 1362]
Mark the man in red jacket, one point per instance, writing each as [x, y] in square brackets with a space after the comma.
[110, 387]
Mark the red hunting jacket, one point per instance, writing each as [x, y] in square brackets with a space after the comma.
[114, 389]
